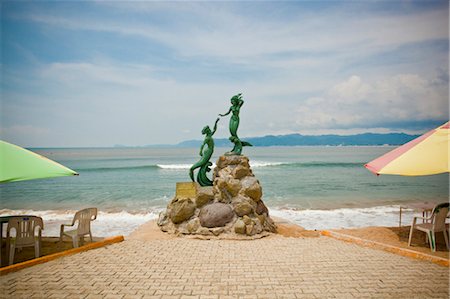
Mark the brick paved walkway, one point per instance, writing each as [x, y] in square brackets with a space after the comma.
[269, 268]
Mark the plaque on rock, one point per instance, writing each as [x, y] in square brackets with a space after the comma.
[186, 189]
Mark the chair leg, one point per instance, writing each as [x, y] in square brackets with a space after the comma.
[12, 249]
[37, 249]
[75, 241]
[61, 242]
[445, 238]
[61, 234]
[432, 241]
[90, 235]
[410, 235]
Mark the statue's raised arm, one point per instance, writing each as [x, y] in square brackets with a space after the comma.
[225, 114]
[236, 104]
[215, 126]
[204, 163]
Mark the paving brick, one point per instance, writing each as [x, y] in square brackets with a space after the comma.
[268, 268]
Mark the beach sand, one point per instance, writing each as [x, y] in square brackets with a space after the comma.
[151, 231]
[50, 245]
[398, 237]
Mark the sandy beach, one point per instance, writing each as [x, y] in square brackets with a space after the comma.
[398, 237]
[50, 245]
[295, 263]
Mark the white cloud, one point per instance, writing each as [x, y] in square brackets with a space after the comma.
[104, 104]
[289, 66]
[218, 31]
[81, 73]
[351, 91]
[120, 104]
[403, 98]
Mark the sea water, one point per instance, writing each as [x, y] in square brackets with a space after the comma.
[315, 187]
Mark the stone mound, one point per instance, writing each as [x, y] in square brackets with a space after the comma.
[231, 208]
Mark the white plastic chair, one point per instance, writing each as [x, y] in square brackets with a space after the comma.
[84, 218]
[432, 225]
[21, 232]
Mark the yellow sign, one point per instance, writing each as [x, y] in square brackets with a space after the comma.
[186, 190]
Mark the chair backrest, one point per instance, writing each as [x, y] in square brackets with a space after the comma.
[25, 229]
[439, 215]
[84, 218]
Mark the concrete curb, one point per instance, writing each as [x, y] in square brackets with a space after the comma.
[50, 257]
[389, 248]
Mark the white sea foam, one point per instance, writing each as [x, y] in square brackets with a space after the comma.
[345, 218]
[174, 166]
[123, 223]
[106, 224]
[254, 164]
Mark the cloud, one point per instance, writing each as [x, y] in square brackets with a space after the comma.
[394, 101]
[103, 73]
[126, 104]
[111, 104]
[222, 31]
[81, 73]
[351, 91]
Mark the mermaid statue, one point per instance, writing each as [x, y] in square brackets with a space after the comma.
[204, 163]
[236, 104]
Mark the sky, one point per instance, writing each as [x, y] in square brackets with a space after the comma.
[102, 73]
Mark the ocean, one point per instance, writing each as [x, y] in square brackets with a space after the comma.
[315, 187]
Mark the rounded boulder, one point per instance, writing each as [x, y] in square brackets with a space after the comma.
[216, 215]
[181, 210]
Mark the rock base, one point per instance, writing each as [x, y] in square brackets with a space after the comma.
[231, 209]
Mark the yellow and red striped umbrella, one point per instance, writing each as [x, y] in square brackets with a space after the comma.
[425, 155]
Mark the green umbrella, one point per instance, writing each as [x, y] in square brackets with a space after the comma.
[19, 164]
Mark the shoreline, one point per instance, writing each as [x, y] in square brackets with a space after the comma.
[124, 223]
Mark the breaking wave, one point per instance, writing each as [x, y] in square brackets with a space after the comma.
[254, 164]
[107, 223]
[124, 222]
[344, 217]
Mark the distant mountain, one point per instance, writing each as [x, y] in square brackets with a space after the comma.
[298, 139]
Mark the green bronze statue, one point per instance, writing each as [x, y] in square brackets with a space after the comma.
[236, 104]
[204, 163]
